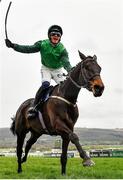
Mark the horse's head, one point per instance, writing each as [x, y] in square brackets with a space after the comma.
[90, 73]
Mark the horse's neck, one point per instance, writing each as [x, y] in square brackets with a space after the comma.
[69, 91]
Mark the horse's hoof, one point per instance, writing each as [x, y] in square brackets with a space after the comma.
[88, 162]
[63, 173]
[19, 170]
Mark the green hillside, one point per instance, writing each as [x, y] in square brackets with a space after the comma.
[86, 136]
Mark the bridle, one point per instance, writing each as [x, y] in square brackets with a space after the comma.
[84, 76]
[84, 85]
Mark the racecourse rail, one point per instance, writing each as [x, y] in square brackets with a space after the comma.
[92, 153]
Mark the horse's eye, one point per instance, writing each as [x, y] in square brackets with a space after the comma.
[86, 65]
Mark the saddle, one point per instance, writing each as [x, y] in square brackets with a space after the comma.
[33, 110]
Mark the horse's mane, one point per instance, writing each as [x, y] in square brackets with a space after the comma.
[73, 68]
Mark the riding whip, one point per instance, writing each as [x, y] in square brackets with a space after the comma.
[6, 20]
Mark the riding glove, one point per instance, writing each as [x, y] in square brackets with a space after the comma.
[9, 44]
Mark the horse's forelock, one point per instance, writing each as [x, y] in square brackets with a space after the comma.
[92, 57]
[89, 57]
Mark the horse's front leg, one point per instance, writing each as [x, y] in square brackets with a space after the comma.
[65, 143]
[86, 158]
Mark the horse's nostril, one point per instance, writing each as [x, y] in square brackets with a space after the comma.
[98, 89]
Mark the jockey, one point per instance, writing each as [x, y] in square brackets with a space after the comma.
[54, 56]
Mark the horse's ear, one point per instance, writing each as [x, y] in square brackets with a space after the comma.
[82, 56]
[95, 57]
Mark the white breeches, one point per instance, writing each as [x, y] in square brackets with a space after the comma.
[48, 73]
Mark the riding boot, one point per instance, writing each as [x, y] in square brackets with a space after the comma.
[38, 101]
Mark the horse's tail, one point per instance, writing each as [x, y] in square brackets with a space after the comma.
[12, 128]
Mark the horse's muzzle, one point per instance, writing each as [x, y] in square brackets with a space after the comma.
[97, 86]
[97, 90]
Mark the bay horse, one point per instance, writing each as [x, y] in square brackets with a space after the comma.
[59, 112]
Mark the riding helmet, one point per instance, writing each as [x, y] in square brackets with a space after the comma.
[55, 28]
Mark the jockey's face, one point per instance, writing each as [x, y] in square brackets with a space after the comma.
[55, 37]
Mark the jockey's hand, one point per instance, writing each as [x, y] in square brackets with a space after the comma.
[64, 74]
[9, 44]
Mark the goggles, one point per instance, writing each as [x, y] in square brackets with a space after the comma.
[55, 34]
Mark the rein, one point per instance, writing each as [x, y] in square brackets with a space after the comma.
[77, 85]
[85, 85]
[84, 77]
